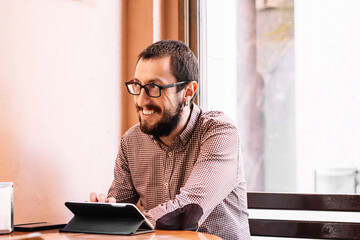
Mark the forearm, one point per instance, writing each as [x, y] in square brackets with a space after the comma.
[122, 188]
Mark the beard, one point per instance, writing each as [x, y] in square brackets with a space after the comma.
[166, 124]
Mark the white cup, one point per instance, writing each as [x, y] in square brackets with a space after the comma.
[6, 207]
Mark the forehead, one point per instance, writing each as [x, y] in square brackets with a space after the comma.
[154, 70]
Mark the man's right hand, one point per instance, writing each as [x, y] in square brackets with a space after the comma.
[101, 198]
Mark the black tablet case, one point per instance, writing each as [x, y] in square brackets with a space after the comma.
[105, 218]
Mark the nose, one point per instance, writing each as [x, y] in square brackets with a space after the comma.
[142, 99]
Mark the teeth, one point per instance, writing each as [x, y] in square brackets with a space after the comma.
[148, 112]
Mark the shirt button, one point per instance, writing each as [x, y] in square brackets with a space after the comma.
[166, 185]
[170, 154]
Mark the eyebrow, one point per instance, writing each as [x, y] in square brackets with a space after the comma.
[151, 81]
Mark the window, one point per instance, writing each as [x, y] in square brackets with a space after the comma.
[286, 71]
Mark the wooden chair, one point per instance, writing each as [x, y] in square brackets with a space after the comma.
[304, 229]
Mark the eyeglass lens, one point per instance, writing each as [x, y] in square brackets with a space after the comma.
[151, 89]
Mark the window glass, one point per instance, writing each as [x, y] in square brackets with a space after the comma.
[286, 72]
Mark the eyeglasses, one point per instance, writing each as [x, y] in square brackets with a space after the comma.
[152, 90]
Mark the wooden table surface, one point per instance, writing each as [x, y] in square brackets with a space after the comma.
[157, 235]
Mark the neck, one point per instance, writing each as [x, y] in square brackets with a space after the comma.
[168, 140]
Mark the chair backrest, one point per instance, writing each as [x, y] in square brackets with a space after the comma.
[304, 229]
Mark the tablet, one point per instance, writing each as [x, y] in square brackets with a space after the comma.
[107, 218]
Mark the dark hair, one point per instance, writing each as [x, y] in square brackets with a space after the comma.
[183, 62]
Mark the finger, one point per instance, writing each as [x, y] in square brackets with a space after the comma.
[101, 197]
[93, 197]
[110, 200]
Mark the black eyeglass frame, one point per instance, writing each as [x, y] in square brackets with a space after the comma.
[152, 84]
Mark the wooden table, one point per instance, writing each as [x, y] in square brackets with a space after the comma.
[157, 235]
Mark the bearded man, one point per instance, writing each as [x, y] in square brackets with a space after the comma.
[182, 163]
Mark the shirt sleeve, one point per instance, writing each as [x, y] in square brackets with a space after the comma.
[214, 176]
[122, 188]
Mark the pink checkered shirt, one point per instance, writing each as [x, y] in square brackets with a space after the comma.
[196, 184]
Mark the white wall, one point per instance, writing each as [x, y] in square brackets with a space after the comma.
[59, 102]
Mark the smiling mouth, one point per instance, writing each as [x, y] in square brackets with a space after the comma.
[147, 112]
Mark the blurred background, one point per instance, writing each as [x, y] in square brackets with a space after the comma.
[286, 71]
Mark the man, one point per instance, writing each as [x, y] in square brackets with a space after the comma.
[181, 162]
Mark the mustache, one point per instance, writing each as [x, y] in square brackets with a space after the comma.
[150, 107]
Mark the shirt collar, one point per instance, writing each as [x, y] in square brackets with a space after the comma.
[186, 134]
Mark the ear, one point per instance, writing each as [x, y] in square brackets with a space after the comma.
[190, 90]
